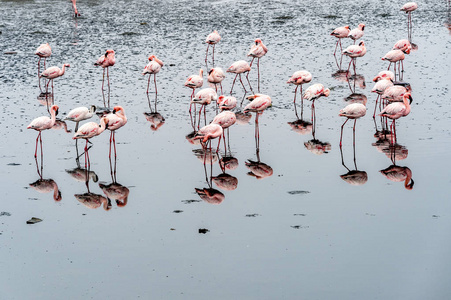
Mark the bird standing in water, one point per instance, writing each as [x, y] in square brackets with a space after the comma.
[43, 51]
[340, 33]
[105, 61]
[212, 39]
[258, 50]
[43, 123]
[153, 67]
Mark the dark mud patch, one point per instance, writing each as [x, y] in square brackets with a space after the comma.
[203, 230]
[298, 192]
[252, 215]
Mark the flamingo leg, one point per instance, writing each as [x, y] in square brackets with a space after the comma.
[233, 84]
[258, 74]
[206, 54]
[37, 140]
[389, 66]
[108, 77]
[148, 83]
[336, 46]
[103, 78]
[341, 136]
[295, 92]
[250, 86]
[353, 131]
[114, 144]
[214, 55]
[222, 93]
[243, 84]
[252, 61]
[39, 73]
[155, 82]
[375, 106]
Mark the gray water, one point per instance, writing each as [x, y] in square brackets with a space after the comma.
[302, 233]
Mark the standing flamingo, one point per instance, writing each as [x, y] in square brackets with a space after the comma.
[352, 111]
[379, 88]
[355, 51]
[204, 97]
[340, 33]
[298, 79]
[258, 50]
[116, 120]
[74, 6]
[43, 51]
[215, 76]
[238, 68]
[357, 33]
[193, 82]
[397, 110]
[212, 39]
[395, 56]
[90, 130]
[210, 132]
[316, 91]
[153, 67]
[395, 93]
[52, 73]
[409, 7]
[105, 61]
[259, 103]
[79, 114]
[43, 123]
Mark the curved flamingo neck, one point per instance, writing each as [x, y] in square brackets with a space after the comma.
[201, 72]
[53, 118]
[102, 126]
[408, 183]
[56, 192]
[159, 61]
[63, 69]
[407, 104]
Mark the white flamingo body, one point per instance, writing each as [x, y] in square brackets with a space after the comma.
[152, 67]
[258, 49]
[239, 67]
[353, 111]
[225, 119]
[80, 113]
[394, 56]
[354, 51]
[195, 81]
[54, 72]
[397, 110]
[216, 75]
[205, 96]
[403, 45]
[44, 122]
[357, 33]
[106, 60]
[409, 7]
[44, 50]
[381, 86]
[91, 129]
[395, 93]
[259, 103]
[227, 102]
[315, 91]
[117, 119]
[209, 132]
[213, 38]
[300, 77]
[384, 75]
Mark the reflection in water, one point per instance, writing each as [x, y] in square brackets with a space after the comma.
[243, 118]
[356, 98]
[210, 195]
[45, 185]
[93, 201]
[59, 124]
[353, 177]
[317, 147]
[156, 119]
[399, 174]
[225, 181]
[300, 126]
[258, 169]
[228, 163]
[45, 99]
[83, 175]
[354, 80]
[341, 75]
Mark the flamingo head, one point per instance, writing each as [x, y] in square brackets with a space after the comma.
[362, 26]
[109, 51]
[58, 196]
[220, 99]
[326, 92]
[67, 65]
[410, 185]
[408, 96]
[258, 41]
[362, 43]
[55, 109]
[118, 108]
[93, 108]
[211, 71]
[152, 57]
[347, 27]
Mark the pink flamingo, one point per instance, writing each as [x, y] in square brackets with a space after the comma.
[384, 75]
[225, 119]
[395, 93]
[340, 33]
[409, 7]
[90, 130]
[153, 67]
[397, 110]
[212, 39]
[204, 97]
[258, 50]
[298, 79]
[403, 45]
[355, 51]
[74, 6]
[238, 68]
[210, 132]
[316, 91]
[79, 114]
[52, 73]
[215, 76]
[43, 123]
[259, 103]
[116, 120]
[357, 33]
[43, 51]
[397, 174]
[105, 61]
[379, 88]
[193, 82]
[395, 56]
[352, 111]
[226, 102]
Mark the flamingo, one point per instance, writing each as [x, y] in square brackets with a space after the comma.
[403, 45]
[193, 82]
[52, 73]
[384, 74]
[210, 132]
[398, 174]
[74, 6]
[215, 76]
[79, 114]
[357, 33]
[259, 103]
[340, 33]
[116, 120]
[43, 51]
[409, 7]
[298, 79]
[212, 39]
[204, 97]
[105, 61]
[258, 50]
[316, 91]
[355, 51]
[90, 130]
[43, 123]
[258, 169]
[379, 88]
[395, 93]
[93, 201]
[238, 68]
[225, 181]
[153, 67]
[397, 110]
[352, 111]
[226, 102]
[47, 186]
[225, 119]
[394, 56]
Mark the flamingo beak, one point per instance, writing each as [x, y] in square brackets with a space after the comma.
[411, 99]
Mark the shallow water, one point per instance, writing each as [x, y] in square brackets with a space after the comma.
[302, 232]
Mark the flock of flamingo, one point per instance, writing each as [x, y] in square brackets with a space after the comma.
[393, 95]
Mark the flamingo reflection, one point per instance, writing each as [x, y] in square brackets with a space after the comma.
[114, 190]
[45, 185]
[154, 117]
[399, 174]
[353, 177]
[208, 194]
[90, 199]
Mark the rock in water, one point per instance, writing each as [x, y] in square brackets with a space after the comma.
[34, 220]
